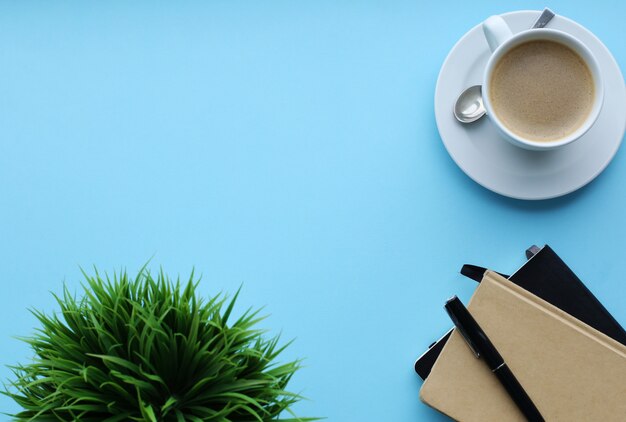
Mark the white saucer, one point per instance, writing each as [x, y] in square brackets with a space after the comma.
[506, 169]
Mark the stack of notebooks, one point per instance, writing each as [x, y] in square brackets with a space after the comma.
[562, 345]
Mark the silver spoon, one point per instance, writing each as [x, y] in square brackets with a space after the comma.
[469, 106]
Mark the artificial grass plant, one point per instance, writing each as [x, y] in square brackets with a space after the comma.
[149, 349]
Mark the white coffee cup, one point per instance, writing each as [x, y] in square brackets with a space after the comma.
[501, 40]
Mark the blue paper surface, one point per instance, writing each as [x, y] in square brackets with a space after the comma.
[289, 147]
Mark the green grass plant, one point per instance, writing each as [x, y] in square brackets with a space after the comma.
[149, 349]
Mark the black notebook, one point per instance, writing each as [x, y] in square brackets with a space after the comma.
[548, 277]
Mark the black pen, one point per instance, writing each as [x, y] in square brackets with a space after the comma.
[482, 346]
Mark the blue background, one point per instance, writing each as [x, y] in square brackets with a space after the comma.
[288, 146]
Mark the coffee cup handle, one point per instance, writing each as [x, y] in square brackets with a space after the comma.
[496, 31]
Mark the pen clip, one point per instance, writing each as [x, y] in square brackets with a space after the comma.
[462, 331]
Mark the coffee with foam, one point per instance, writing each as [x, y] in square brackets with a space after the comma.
[542, 90]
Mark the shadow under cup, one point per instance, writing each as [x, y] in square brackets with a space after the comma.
[561, 38]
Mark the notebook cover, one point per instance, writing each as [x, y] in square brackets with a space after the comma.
[547, 276]
[571, 371]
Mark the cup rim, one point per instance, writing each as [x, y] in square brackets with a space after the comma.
[590, 60]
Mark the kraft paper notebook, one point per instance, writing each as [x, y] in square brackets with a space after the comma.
[571, 371]
[546, 275]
